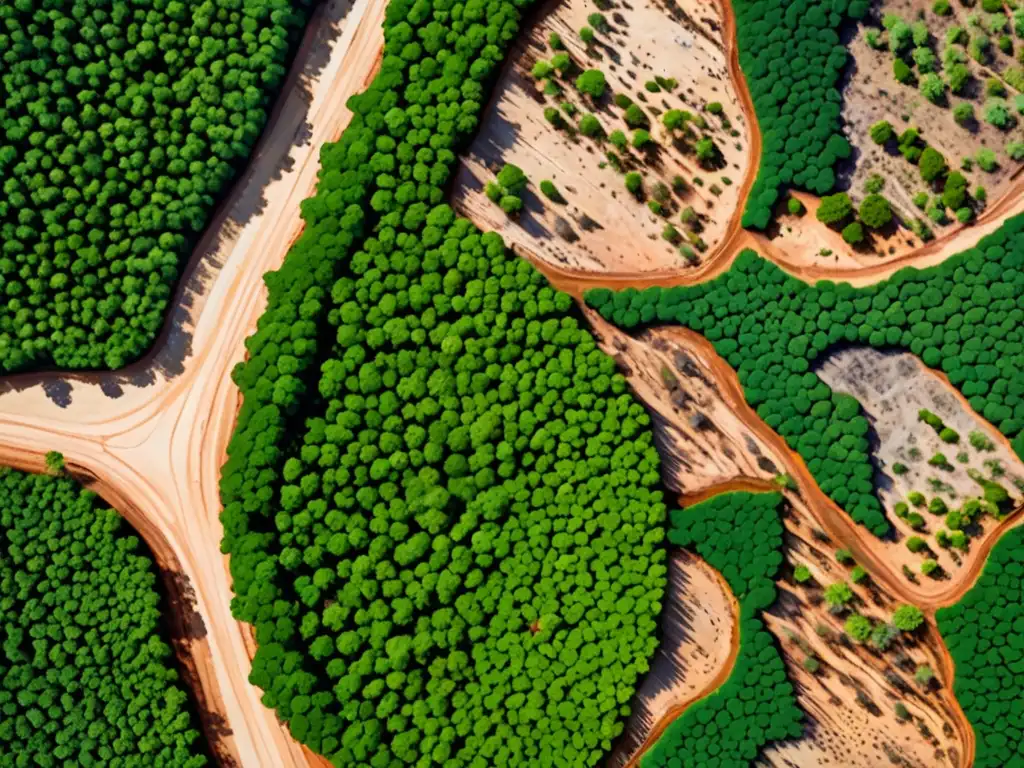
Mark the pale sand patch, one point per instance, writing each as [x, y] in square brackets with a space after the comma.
[602, 227]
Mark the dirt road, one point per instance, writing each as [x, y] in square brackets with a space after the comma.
[153, 435]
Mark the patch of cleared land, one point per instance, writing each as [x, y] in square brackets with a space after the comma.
[852, 696]
[845, 728]
[982, 49]
[702, 442]
[892, 388]
[697, 629]
[601, 226]
[874, 94]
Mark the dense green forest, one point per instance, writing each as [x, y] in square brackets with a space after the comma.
[791, 56]
[984, 633]
[441, 501]
[963, 317]
[86, 677]
[122, 124]
[739, 534]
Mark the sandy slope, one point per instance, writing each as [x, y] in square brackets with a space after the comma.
[153, 435]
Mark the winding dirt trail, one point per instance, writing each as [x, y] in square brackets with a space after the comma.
[151, 438]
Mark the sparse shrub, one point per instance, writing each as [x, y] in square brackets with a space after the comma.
[853, 233]
[634, 183]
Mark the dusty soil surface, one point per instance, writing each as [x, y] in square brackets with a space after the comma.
[699, 637]
[600, 226]
[150, 439]
[840, 729]
[892, 387]
[873, 94]
[702, 442]
[850, 700]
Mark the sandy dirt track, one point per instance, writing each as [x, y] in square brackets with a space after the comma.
[152, 437]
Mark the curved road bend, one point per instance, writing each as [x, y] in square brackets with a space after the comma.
[154, 434]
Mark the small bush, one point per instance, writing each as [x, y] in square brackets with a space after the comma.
[916, 544]
[853, 233]
[881, 132]
[551, 192]
[634, 183]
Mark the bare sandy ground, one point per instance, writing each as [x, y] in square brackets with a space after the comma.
[153, 435]
[698, 648]
[850, 701]
[702, 442]
[601, 227]
[892, 388]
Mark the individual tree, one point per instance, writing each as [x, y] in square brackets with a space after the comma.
[54, 462]
[916, 544]
[707, 152]
[997, 113]
[933, 88]
[963, 113]
[881, 132]
[802, 574]
[853, 233]
[907, 618]
[590, 126]
[591, 83]
[875, 211]
[838, 595]
[932, 164]
[550, 191]
[834, 209]
[923, 675]
[512, 179]
[858, 628]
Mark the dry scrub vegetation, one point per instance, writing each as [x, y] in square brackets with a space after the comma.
[869, 703]
[948, 464]
[932, 104]
[662, 57]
